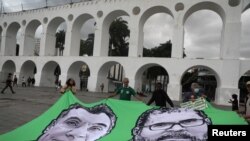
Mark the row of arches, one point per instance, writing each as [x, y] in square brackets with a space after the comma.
[111, 78]
[73, 25]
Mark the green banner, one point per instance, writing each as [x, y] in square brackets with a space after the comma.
[112, 120]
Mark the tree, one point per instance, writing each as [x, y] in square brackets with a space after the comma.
[86, 46]
[163, 50]
[119, 33]
[60, 38]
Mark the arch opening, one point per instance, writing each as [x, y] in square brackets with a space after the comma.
[205, 77]
[8, 67]
[242, 86]
[55, 38]
[50, 73]
[12, 40]
[155, 29]
[27, 73]
[80, 72]
[83, 36]
[115, 34]
[149, 75]
[202, 37]
[110, 75]
[32, 38]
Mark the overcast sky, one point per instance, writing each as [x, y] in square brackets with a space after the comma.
[202, 35]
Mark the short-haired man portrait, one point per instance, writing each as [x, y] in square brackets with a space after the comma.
[79, 123]
[171, 124]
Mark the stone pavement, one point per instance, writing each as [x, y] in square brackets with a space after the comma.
[30, 102]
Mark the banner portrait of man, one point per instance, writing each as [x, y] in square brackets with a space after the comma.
[171, 124]
[80, 123]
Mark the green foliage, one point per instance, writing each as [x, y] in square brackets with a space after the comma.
[163, 50]
[86, 46]
[119, 33]
[60, 39]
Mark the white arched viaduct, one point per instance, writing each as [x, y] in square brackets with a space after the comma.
[228, 67]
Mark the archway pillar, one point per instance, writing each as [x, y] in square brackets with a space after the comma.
[178, 40]
[174, 90]
[98, 44]
[69, 41]
[136, 38]
[63, 78]
[3, 42]
[37, 78]
[223, 94]
[43, 41]
[231, 35]
[92, 82]
[229, 75]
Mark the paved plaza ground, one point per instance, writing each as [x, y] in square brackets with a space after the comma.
[30, 102]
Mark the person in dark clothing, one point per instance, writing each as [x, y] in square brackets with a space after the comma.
[8, 84]
[234, 101]
[15, 81]
[160, 97]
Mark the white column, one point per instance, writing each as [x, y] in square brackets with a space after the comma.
[68, 42]
[22, 42]
[174, 90]
[92, 83]
[63, 78]
[136, 38]
[99, 41]
[230, 43]
[223, 94]
[37, 78]
[43, 41]
[228, 82]
[231, 34]
[3, 42]
[178, 40]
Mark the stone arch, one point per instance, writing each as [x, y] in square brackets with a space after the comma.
[28, 69]
[205, 6]
[105, 29]
[103, 76]
[76, 28]
[246, 7]
[144, 17]
[50, 49]
[203, 72]
[11, 41]
[140, 78]
[47, 75]
[215, 34]
[74, 72]
[8, 66]
[29, 39]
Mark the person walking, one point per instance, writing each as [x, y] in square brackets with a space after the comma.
[15, 81]
[160, 97]
[8, 84]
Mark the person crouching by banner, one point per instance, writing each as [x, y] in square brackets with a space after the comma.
[69, 86]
